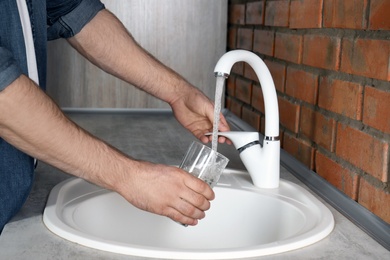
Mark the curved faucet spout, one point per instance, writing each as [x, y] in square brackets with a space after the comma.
[262, 163]
[223, 68]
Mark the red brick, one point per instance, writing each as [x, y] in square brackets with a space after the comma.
[263, 42]
[232, 38]
[278, 72]
[237, 14]
[321, 51]
[299, 149]
[238, 68]
[249, 73]
[243, 90]
[230, 85]
[235, 107]
[318, 128]
[255, 12]
[258, 99]
[375, 199]
[379, 15]
[281, 136]
[288, 47]
[302, 85]
[262, 126]
[306, 13]
[251, 117]
[364, 151]
[276, 13]
[340, 177]
[288, 114]
[366, 57]
[341, 97]
[244, 38]
[228, 101]
[376, 111]
[349, 14]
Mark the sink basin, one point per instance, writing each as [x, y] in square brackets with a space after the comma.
[244, 221]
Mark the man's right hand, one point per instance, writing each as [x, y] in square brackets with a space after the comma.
[167, 191]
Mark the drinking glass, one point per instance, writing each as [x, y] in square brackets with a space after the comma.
[203, 162]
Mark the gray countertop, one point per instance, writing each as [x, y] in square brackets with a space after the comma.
[156, 137]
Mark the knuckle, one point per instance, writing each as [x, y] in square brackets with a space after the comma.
[201, 202]
[201, 186]
[172, 214]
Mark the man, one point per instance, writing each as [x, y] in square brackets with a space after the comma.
[31, 124]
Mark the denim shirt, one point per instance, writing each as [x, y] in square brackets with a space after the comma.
[50, 19]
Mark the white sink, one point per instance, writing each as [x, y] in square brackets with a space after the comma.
[243, 221]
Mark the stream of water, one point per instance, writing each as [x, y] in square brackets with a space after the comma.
[217, 110]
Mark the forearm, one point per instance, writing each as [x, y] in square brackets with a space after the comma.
[107, 44]
[30, 121]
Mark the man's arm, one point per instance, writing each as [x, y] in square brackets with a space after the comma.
[107, 44]
[32, 122]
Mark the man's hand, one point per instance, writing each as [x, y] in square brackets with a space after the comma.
[167, 191]
[196, 113]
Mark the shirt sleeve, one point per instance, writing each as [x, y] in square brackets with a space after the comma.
[66, 18]
[9, 70]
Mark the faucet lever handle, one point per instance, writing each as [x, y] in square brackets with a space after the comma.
[239, 138]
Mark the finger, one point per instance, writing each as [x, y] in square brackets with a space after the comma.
[209, 138]
[226, 140]
[199, 187]
[223, 125]
[222, 139]
[177, 216]
[188, 209]
[204, 139]
[200, 131]
[194, 199]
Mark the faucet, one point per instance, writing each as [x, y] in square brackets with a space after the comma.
[261, 162]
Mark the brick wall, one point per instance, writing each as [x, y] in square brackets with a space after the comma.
[330, 64]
